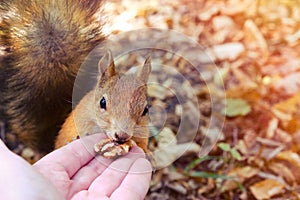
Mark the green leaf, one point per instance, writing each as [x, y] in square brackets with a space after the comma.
[224, 146]
[236, 107]
[235, 154]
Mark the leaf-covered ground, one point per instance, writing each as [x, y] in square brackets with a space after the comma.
[255, 46]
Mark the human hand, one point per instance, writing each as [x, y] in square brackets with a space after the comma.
[76, 174]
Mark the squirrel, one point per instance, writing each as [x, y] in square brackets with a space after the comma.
[43, 44]
[117, 106]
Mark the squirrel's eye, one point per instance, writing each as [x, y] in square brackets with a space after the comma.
[103, 103]
[145, 111]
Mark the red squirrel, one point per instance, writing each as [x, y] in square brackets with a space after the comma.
[43, 44]
[117, 106]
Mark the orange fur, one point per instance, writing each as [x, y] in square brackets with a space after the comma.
[123, 118]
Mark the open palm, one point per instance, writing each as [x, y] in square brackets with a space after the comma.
[72, 172]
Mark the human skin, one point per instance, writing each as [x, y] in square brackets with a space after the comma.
[74, 172]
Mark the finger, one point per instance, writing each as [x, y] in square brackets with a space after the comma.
[135, 153]
[86, 195]
[112, 177]
[136, 183]
[72, 157]
[87, 174]
[115, 173]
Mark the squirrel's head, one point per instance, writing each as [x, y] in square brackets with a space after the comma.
[121, 101]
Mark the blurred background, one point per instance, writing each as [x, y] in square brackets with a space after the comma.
[255, 45]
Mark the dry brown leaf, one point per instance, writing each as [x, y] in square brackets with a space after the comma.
[290, 157]
[285, 61]
[177, 187]
[242, 147]
[228, 51]
[266, 189]
[281, 115]
[296, 140]
[210, 10]
[272, 126]
[207, 187]
[168, 150]
[254, 40]
[284, 136]
[268, 142]
[246, 92]
[224, 28]
[234, 7]
[159, 91]
[290, 84]
[250, 138]
[290, 105]
[282, 170]
[239, 175]
[174, 175]
[222, 22]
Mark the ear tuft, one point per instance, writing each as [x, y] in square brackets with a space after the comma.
[106, 66]
[146, 70]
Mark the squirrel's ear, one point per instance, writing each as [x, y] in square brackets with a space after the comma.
[106, 66]
[146, 70]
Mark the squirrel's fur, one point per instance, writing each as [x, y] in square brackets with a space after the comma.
[45, 42]
[123, 119]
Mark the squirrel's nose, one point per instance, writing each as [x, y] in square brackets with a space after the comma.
[121, 137]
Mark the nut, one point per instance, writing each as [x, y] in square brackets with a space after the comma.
[111, 149]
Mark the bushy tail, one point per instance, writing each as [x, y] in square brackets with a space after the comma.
[44, 42]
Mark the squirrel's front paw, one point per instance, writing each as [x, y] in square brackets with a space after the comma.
[111, 149]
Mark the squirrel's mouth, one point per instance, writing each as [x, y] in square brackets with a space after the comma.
[120, 141]
[119, 138]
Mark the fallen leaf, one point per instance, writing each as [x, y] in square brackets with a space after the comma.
[293, 37]
[168, 150]
[209, 11]
[159, 91]
[282, 170]
[175, 175]
[234, 7]
[228, 51]
[290, 105]
[254, 40]
[224, 28]
[272, 126]
[283, 62]
[177, 187]
[236, 107]
[207, 187]
[290, 157]
[266, 189]
[221, 22]
[238, 175]
[283, 136]
[290, 84]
